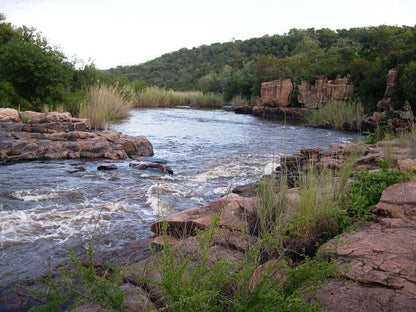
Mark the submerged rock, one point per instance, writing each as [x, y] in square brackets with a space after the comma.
[107, 167]
[157, 166]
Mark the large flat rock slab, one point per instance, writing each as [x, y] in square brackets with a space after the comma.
[379, 258]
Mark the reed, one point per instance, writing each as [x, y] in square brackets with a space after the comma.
[158, 97]
[105, 105]
[239, 100]
[338, 115]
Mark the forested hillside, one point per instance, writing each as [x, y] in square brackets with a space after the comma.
[238, 68]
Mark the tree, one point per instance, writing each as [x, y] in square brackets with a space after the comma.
[39, 75]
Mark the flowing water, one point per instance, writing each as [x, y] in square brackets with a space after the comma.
[44, 208]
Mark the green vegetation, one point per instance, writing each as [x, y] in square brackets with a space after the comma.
[337, 115]
[105, 105]
[82, 282]
[366, 190]
[238, 68]
[157, 97]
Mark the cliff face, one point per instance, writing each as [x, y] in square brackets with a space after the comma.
[277, 93]
[324, 90]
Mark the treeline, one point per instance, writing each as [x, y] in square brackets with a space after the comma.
[237, 68]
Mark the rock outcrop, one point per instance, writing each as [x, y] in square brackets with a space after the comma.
[380, 258]
[276, 93]
[324, 90]
[59, 136]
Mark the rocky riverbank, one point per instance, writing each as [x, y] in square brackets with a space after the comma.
[28, 136]
[376, 259]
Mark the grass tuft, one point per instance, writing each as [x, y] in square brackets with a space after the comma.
[105, 105]
[338, 115]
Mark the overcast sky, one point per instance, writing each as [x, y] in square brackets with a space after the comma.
[129, 32]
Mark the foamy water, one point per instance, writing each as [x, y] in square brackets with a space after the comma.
[44, 208]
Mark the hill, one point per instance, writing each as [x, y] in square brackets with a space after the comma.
[238, 68]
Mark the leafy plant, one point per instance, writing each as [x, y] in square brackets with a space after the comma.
[366, 190]
[380, 133]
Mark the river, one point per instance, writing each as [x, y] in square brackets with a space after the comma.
[44, 208]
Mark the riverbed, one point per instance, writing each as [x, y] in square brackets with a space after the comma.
[46, 207]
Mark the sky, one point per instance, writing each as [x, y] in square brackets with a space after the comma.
[130, 32]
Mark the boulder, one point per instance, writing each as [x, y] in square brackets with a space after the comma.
[9, 115]
[107, 167]
[235, 213]
[157, 166]
[398, 201]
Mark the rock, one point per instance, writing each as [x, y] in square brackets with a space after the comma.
[9, 115]
[398, 201]
[29, 116]
[344, 296]
[380, 256]
[274, 270]
[134, 147]
[76, 169]
[145, 273]
[234, 240]
[155, 160]
[56, 117]
[160, 240]
[235, 213]
[276, 93]
[107, 167]
[392, 77]
[146, 166]
[59, 139]
[324, 90]
[407, 164]
[243, 109]
[136, 299]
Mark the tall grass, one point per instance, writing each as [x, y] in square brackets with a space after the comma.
[157, 97]
[338, 115]
[239, 100]
[305, 216]
[105, 105]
